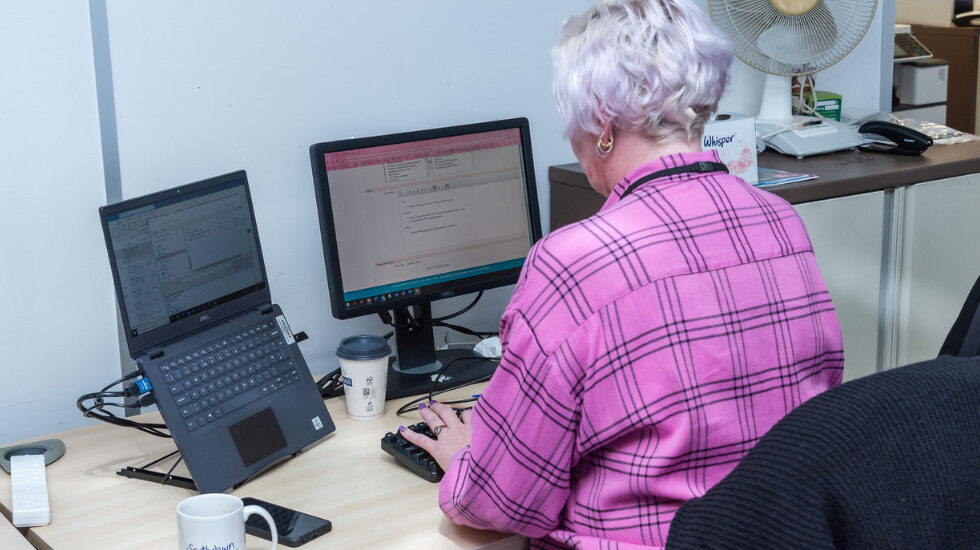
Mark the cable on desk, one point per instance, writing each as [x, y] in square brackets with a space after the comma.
[97, 409]
[464, 330]
[413, 324]
[433, 391]
[460, 312]
[331, 385]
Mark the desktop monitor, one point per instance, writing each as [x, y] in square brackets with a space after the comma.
[410, 218]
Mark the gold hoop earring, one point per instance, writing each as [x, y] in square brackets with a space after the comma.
[603, 148]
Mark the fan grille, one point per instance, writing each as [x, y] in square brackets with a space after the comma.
[773, 42]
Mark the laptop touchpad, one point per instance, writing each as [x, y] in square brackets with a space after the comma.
[258, 436]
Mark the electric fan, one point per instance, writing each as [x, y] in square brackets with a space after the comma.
[787, 38]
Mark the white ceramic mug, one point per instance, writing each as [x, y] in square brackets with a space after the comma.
[216, 521]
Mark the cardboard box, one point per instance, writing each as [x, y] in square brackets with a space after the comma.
[827, 104]
[733, 136]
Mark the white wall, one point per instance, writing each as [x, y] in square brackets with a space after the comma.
[857, 77]
[58, 330]
[203, 88]
[933, 12]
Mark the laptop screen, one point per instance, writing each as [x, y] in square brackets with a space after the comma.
[184, 252]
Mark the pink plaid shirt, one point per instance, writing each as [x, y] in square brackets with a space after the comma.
[645, 350]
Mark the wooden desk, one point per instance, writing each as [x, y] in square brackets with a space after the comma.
[10, 537]
[840, 174]
[346, 478]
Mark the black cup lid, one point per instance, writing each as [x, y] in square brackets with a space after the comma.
[363, 347]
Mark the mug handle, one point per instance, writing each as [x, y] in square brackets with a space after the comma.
[252, 509]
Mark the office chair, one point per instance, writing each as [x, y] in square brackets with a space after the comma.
[891, 460]
[963, 339]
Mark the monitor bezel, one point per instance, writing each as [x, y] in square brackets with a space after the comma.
[158, 336]
[328, 232]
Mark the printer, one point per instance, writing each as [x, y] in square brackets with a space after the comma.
[920, 80]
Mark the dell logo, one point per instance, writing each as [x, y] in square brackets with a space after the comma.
[203, 318]
[446, 294]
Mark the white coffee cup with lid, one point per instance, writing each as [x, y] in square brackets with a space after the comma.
[364, 370]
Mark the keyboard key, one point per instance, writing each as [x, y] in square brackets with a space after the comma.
[411, 456]
[227, 374]
[241, 400]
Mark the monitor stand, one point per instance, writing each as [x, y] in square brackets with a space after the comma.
[413, 372]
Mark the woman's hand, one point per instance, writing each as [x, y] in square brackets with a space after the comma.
[452, 432]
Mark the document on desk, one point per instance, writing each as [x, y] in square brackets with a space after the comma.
[769, 176]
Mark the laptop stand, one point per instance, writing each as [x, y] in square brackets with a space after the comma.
[141, 472]
[168, 478]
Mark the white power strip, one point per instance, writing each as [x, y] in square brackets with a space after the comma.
[29, 488]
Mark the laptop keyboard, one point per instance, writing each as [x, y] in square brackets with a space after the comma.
[229, 373]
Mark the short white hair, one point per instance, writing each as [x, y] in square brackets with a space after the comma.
[658, 67]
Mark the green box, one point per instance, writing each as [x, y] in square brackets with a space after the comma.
[827, 104]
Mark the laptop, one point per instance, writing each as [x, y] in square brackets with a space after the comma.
[227, 374]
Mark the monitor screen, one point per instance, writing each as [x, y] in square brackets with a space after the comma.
[183, 252]
[420, 216]
[426, 215]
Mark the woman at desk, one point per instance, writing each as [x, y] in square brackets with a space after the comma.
[647, 348]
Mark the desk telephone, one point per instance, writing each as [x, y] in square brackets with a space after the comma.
[967, 19]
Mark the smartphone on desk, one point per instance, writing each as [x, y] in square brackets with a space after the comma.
[294, 528]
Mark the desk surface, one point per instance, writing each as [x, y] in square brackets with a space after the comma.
[840, 174]
[10, 537]
[346, 478]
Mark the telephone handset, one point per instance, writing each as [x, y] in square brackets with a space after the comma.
[967, 19]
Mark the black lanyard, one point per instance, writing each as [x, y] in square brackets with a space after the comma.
[695, 168]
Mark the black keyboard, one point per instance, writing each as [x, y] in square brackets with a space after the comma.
[229, 373]
[413, 457]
